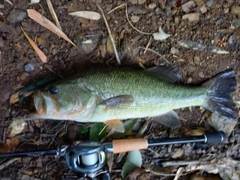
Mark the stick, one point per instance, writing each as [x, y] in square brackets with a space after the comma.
[110, 34]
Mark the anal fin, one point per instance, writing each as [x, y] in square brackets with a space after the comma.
[169, 119]
[115, 124]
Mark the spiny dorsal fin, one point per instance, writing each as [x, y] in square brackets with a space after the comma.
[170, 73]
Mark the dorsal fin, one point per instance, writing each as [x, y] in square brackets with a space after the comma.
[170, 73]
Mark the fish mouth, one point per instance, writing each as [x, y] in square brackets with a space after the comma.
[44, 104]
[39, 103]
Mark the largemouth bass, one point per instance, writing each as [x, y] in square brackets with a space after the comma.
[116, 94]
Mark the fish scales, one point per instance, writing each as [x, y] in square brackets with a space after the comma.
[152, 96]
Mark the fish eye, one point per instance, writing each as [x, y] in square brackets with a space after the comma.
[53, 90]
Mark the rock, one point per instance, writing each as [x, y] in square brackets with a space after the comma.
[137, 10]
[152, 5]
[133, 1]
[28, 67]
[135, 19]
[23, 76]
[191, 17]
[209, 3]
[186, 7]
[189, 80]
[158, 10]
[236, 23]
[1, 42]
[174, 50]
[219, 20]
[176, 20]
[141, 1]
[235, 10]
[201, 74]
[16, 15]
[203, 9]
[196, 60]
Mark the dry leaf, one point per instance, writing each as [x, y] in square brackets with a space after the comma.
[14, 98]
[86, 14]
[16, 127]
[43, 21]
[54, 15]
[12, 143]
[161, 35]
[39, 52]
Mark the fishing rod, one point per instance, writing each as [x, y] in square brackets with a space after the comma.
[88, 158]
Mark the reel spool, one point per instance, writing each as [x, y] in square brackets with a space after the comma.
[88, 158]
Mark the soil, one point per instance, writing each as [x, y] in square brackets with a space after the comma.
[217, 24]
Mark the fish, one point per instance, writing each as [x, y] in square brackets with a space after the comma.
[110, 95]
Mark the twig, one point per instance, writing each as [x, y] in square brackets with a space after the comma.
[121, 5]
[141, 32]
[53, 71]
[8, 163]
[110, 34]
[155, 53]
[179, 163]
[179, 173]
[102, 129]
[54, 15]
[157, 154]
[9, 2]
[149, 42]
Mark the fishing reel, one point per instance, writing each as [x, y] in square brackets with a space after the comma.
[87, 159]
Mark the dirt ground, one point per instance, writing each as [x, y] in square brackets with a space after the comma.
[211, 23]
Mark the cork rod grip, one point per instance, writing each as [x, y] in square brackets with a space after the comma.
[124, 145]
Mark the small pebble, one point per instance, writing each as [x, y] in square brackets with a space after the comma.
[236, 11]
[219, 21]
[168, 10]
[174, 50]
[201, 74]
[209, 3]
[16, 15]
[196, 60]
[236, 23]
[186, 7]
[24, 76]
[189, 80]
[133, 1]
[203, 9]
[191, 17]
[28, 67]
[141, 1]
[176, 20]
[1, 42]
[152, 5]
[158, 10]
[135, 19]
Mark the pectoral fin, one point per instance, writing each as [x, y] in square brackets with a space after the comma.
[117, 101]
[115, 124]
[169, 119]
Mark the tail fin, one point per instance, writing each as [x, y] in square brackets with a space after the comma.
[219, 100]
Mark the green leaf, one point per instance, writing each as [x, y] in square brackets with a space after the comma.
[128, 125]
[84, 132]
[95, 129]
[134, 159]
